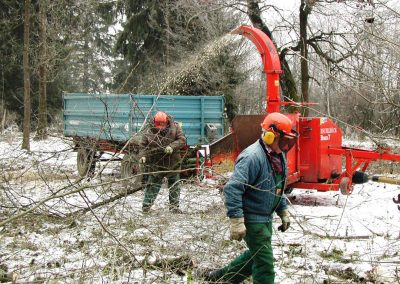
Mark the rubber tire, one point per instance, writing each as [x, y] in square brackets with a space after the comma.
[289, 190]
[85, 162]
[129, 168]
[345, 187]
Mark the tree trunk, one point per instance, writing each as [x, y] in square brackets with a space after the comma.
[2, 102]
[3, 122]
[305, 10]
[42, 122]
[287, 82]
[27, 87]
[86, 76]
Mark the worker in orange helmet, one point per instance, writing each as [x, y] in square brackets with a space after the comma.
[253, 193]
[159, 151]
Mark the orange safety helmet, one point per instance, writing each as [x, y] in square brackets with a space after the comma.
[160, 120]
[276, 122]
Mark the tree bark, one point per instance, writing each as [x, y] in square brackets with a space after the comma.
[85, 62]
[3, 122]
[27, 87]
[42, 122]
[305, 10]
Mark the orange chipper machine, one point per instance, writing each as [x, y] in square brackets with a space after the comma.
[316, 161]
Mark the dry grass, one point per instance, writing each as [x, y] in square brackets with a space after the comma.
[223, 167]
[384, 168]
[30, 176]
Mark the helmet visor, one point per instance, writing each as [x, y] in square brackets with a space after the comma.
[287, 141]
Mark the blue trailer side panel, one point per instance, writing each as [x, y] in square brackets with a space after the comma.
[97, 116]
[117, 117]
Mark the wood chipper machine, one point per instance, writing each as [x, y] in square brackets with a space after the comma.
[318, 161]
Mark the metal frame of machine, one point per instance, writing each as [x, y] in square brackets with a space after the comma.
[316, 161]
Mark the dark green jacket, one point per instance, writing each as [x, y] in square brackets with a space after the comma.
[153, 144]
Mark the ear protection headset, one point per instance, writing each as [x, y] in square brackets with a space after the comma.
[268, 136]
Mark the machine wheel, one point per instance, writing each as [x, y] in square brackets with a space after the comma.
[85, 162]
[345, 186]
[288, 190]
[130, 168]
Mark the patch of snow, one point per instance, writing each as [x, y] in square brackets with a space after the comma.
[332, 237]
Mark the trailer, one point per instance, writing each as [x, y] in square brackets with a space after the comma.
[316, 160]
[112, 123]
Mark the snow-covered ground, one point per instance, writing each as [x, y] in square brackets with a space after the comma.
[332, 239]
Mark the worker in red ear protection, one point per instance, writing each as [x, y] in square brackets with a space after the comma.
[160, 156]
[253, 193]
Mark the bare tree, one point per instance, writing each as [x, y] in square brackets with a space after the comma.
[27, 87]
[305, 10]
[42, 121]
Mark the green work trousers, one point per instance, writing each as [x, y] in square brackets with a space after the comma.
[153, 188]
[257, 261]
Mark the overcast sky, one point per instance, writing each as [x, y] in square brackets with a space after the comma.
[285, 4]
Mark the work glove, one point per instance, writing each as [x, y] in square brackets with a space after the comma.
[284, 215]
[142, 160]
[168, 150]
[238, 229]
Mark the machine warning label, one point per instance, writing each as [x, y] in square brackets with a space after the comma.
[325, 137]
[328, 130]
[326, 133]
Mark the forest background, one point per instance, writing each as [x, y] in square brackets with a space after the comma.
[343, 55]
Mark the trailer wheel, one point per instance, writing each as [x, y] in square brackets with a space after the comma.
[345, 186]
[130, 169]
[85, 162]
